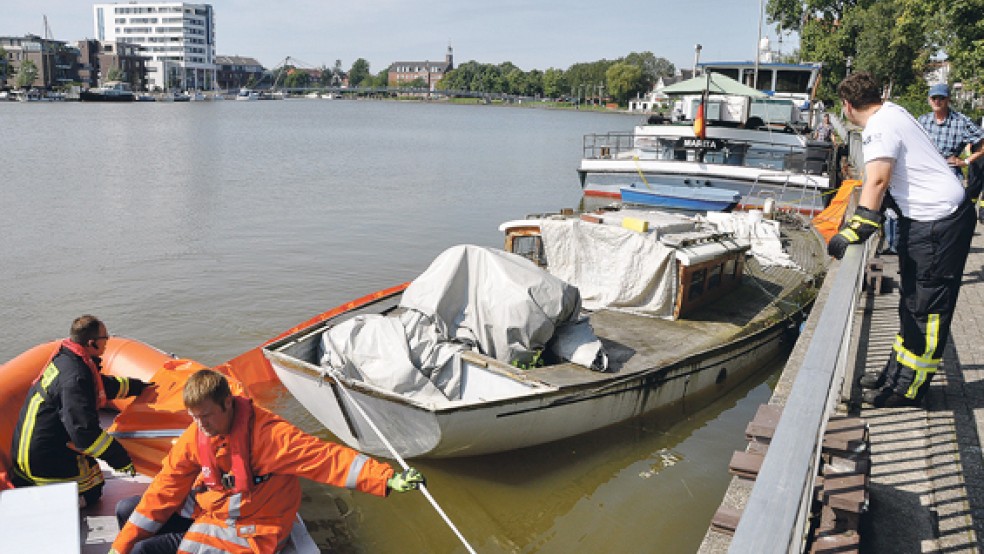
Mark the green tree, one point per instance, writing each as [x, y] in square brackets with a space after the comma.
[624, 80]
[464, 77]
[7, 70]
[381, 80]
[325, 76]
[27, 74]
[359, 72]
[419, 83]
[114, 74]
[965, 46]
[586, 78]
[297, 78]
[893, 39]
[521, 83]
[555, 83]
[889, 50]
[652, 67]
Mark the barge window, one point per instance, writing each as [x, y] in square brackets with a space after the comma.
[714, 278]
[729, 268]
[793, 81]
[531, 248]
[697, 284]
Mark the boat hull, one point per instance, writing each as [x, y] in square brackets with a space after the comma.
[87, 96]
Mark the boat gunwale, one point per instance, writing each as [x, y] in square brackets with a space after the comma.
[307, 369]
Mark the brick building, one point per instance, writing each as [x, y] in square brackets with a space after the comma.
[55, 61]
[429, 73]
[125, 61]
[236, 72]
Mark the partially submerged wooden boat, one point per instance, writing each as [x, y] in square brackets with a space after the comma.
[709, 320]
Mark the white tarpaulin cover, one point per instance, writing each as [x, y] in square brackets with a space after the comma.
[404, 354]
[763, 234]
[613, 267]
[498, 303]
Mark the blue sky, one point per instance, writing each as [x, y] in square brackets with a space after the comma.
[531, 34]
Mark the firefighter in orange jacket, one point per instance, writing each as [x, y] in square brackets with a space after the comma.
[234, 475]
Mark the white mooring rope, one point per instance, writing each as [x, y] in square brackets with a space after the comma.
[396, 456]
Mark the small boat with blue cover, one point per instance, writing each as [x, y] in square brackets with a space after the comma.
[685, 197]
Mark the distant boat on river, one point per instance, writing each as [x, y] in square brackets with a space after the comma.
[112, 91]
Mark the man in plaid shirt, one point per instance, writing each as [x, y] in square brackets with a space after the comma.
[951, 131]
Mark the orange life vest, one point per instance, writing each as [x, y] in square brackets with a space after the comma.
[259, 518]
[79, 351]
[240, 477]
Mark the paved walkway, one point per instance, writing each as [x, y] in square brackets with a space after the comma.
[927, 474]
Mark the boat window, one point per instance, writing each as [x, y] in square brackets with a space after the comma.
[530, 247]
[764, 78]
[729, 268]
[697, 284]
[793, 81]
[728, 72]
[714, 277]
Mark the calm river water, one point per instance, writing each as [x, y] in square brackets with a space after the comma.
[206, 228]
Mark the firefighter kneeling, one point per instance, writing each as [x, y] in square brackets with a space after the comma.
[230, 482]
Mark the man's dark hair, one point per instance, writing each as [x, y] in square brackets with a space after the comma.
[84, 329]
[860, 89]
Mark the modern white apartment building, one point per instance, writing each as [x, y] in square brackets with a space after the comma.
[178, 37]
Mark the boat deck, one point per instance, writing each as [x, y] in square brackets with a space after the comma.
[637, 343]
[98, 527]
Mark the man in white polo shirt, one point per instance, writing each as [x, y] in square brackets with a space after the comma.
[904, 170]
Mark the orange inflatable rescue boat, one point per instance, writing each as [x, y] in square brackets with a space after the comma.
[145, 425]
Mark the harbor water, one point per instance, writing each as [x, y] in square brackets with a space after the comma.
[205, 228]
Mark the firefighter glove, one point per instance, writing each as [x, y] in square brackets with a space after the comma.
[128, 470]
[137, 386]
[862, 225]
[409, 480]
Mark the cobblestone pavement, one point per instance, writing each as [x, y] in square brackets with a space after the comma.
[927, 473]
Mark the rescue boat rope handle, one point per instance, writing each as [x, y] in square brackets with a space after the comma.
[396, 456]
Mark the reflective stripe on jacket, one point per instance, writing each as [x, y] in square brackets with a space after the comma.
[263, 516]
[61, 409]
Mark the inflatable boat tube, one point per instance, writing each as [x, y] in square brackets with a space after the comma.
[123, 357]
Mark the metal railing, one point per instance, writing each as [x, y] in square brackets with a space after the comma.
[742, 152]
[775, 518]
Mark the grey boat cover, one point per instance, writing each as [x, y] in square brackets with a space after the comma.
[470, 297]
